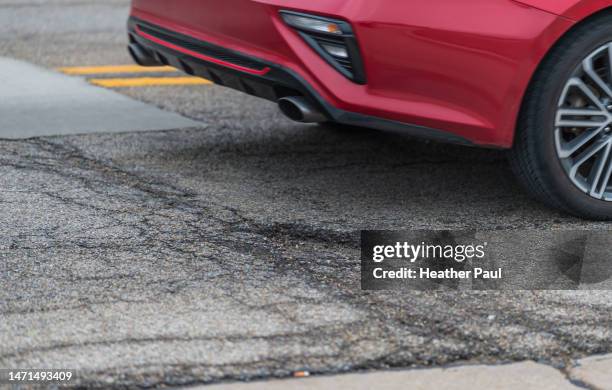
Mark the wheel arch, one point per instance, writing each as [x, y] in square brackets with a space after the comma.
[589, 14]
[572, 9]
[586, 9]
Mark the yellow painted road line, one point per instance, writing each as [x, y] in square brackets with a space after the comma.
[148, 81]
[114, 69]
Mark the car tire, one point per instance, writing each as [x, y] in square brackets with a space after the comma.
[548, 155]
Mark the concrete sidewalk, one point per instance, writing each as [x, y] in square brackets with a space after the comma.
[39, 102]
[592, 373]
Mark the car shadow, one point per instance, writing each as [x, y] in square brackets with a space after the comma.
[354, 177]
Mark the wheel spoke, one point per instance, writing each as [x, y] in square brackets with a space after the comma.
[610, 60]
[578, 83]
[596, 118]
[600, 174]
[589, 69]
[585, 156]
[567, 149]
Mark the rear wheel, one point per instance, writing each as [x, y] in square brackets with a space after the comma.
[563, 147]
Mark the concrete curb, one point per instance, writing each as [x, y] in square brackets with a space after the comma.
[38, 102]
[525, 376]
[594, 372]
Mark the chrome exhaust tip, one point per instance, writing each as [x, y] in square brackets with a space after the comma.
[299, 109]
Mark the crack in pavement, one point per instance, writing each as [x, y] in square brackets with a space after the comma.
[128, 269]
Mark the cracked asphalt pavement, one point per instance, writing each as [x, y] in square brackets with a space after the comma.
[231, 251]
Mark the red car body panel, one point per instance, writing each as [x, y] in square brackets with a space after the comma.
[459, 66]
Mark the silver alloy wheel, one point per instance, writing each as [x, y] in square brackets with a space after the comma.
[583, 125]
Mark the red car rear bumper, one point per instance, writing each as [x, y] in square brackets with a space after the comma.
[436, 65]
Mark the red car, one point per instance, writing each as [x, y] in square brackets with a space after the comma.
[532, 76]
